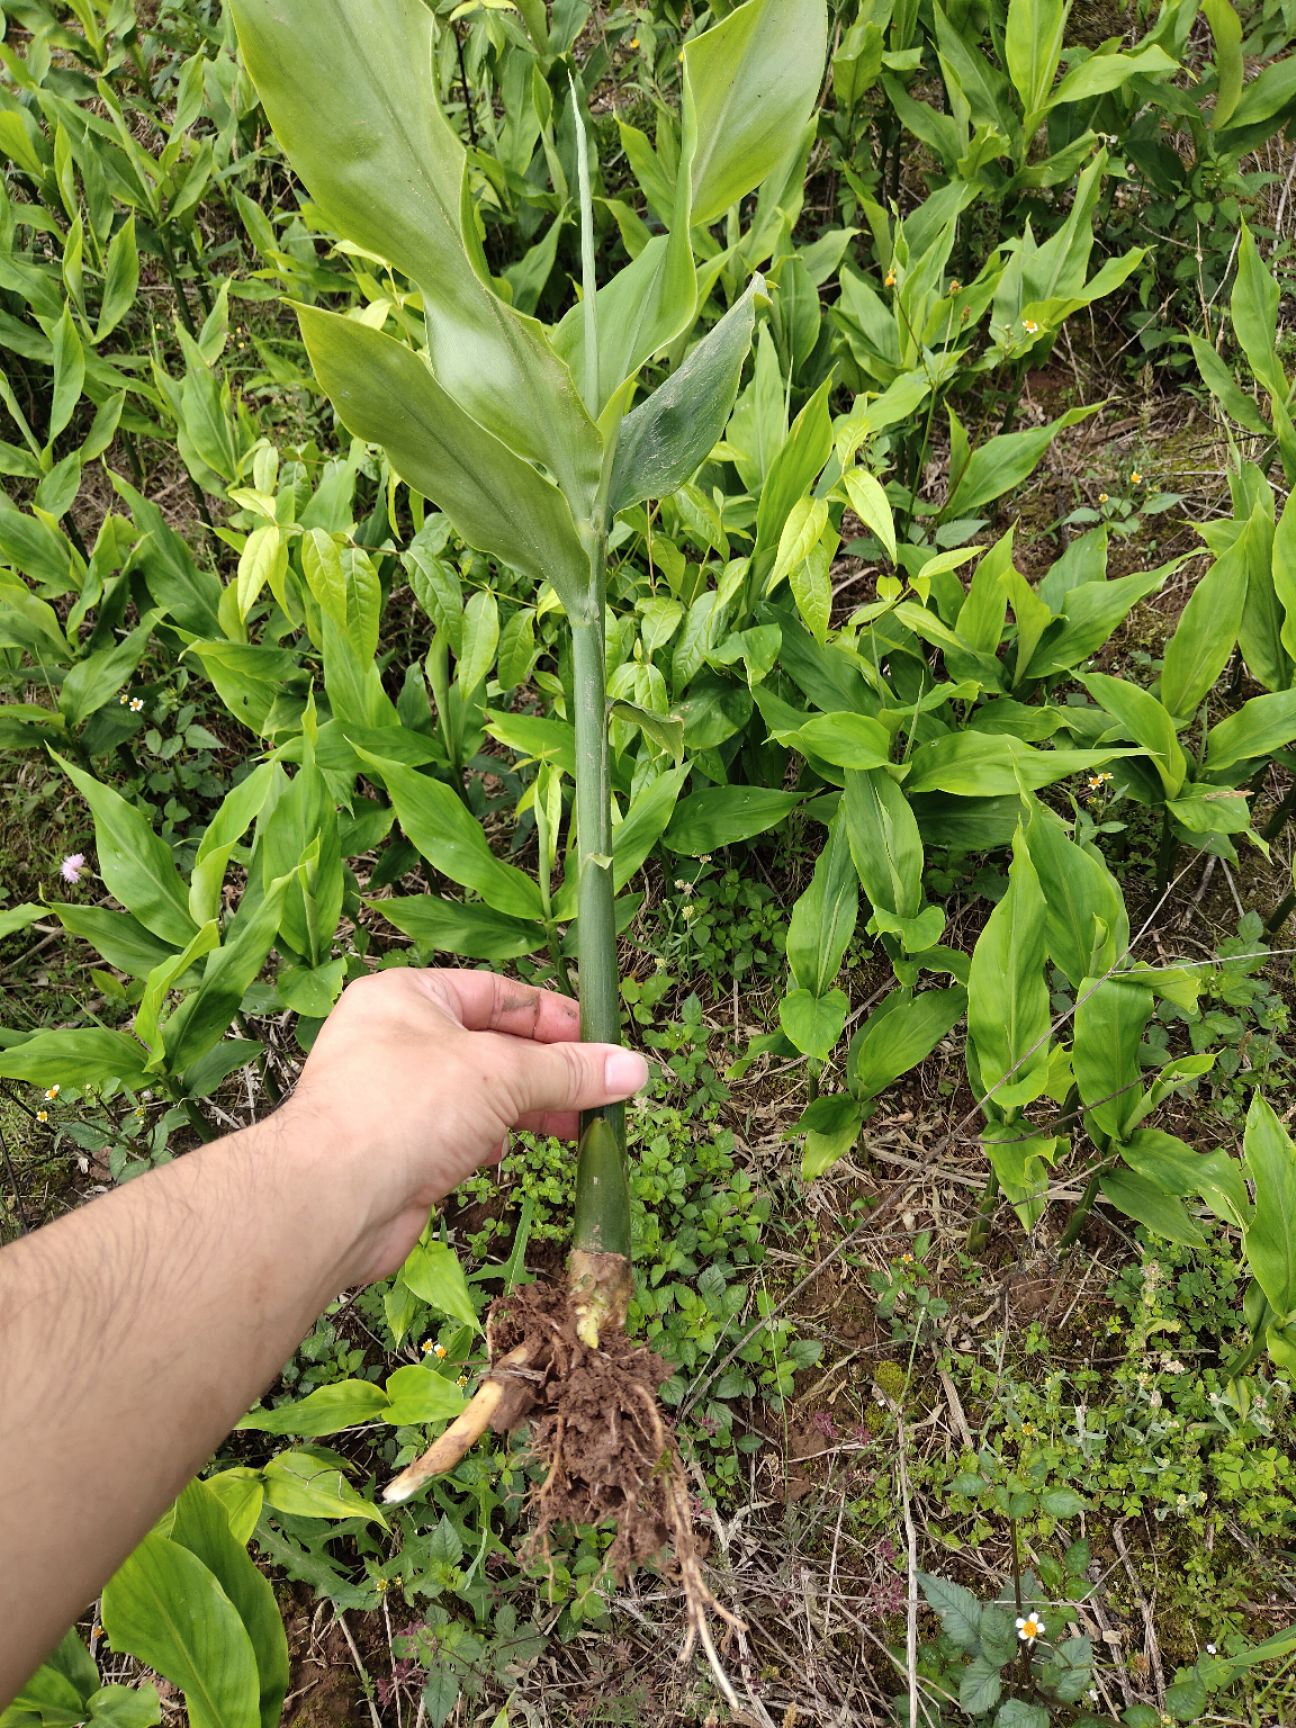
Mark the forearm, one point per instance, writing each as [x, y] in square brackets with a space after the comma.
[133, 1335]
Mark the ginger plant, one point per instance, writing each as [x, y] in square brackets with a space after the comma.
[526, 437]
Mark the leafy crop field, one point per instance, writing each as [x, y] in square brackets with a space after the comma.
[775, 518]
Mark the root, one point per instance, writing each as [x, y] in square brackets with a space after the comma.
[597, 1424]
[495, 1404]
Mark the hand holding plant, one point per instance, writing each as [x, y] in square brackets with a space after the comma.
[418, 1077]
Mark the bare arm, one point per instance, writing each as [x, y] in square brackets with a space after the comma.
[135, 1333]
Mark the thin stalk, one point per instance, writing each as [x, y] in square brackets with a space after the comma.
[1281, 913]
[1166, 851]
[1281, 816]
[589, 258]
[979, 1234]
[602, 1219]
[1076, 1222]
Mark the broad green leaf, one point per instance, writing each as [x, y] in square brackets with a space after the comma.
[385, 394]
[1021, 1161]
[452, 840]
[1254, 308]
[725, 815]
[1270, 1242]
[20, 917]
[417, 1395]
[813, 1023]
[163, 978]
[1145, 1202]
[831, 1125]
[1004, 462]
[117, 936]
[851, 741]
[1008, 999]
[666, 439]
[1144, 719]
[1084, 911]
[480, 641]
[136, 866]
[1090, 612]
[802, 532]
[811, 585]
[96, 679]
[750, 86]
[1211, 810]
[305, 1486]
[1108, 70]
[87, 1056]
[974, 765]
[1222, 384]
[229, 974]
[345, 583]
[1258, 728]
[388, 172]
[1110, 1018]
[1174, 1165]
[201, 1525]
[439, 926]
[884, 841]
[1203, 639]
[241, 1497]
[643, 308]
[823, 919]
[980, 1684]
[250, 680]
[901, 1033]
[165, 1607]
[870, 503]
[1032, 49]
[434, 1274]
[958, 1609]
[344, 1404]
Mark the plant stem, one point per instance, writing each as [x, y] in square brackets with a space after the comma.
[1281, 816]
[979, 1234]
[1281, 913]
[1076, 1222]
[1166, 851]
[602, 1221]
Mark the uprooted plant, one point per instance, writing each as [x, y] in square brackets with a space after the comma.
[525, 437]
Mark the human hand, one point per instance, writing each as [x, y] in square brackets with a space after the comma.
[417, 1077]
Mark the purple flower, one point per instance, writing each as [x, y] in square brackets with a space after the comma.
[72, 866]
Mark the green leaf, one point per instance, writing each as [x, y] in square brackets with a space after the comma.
[1008, 1000]
[434, 1274]
[1144, 719]
[1107, 70]
[1174, 1166]
[388, 172]
[121, 941]
[440, 926]
[1005, 462]
[1032, 49]
[901, 1033]
[1258, 728]
[344, 1404]
[813, 1023]
[667, 438]
[451, 839]
[385, 394]
[1271, 1240]
[980, 1686]
[869, 501]
[974, 765]
[831, 1126]
[165, 1607]
[1208, 627]
[250, 680]
[852, 741]
[1021, 1162]
[480, 641]
[305, 1486]
[958, 1609]
[1254, 308]
[1145, 1202]
[136, 866]
[750, 86]
[230, 972]
[823, 918]
[93, 681]
[14, 918]
[418, 1395]
[345, 583]
[1110, 1018]
[201, 1525]
[802, 532]
[90, 1055]
[1084, 910]
[725, 815]
[1016, 1713]
[884, 841]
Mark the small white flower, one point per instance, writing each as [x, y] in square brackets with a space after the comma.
[1029, 1628]
[1210, 1649]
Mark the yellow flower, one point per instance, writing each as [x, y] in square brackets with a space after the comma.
[42, 1115]
[462, 1380]
[890, 279]
[52, 1092]
[1102, 498]
[634, 41]
[437, 1350]
[382, 1585]
[1030, 326]
[906, 1259]
[955, 287]
[1136, 479]
[136, 704]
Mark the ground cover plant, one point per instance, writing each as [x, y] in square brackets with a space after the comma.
[774, 519]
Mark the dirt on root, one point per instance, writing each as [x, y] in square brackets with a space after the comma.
[596, 1423]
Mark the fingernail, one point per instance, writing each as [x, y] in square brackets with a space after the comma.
[624, 1072]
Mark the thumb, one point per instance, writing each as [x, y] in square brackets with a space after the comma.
[574, 1076]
